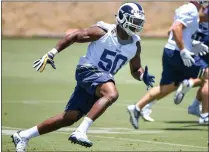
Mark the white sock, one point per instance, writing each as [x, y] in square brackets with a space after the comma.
[86, 123]
[203, 115]
[191, 83]
[137, 108]
[30, 133]
[195, 103]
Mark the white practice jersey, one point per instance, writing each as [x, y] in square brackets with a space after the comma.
[187, 15]
[107, 53]
[203, 27]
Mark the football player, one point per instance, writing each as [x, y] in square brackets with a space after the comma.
[179, 62]
[194, 109]
[111, 47]
[200, 36]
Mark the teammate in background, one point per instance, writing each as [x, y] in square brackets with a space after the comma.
[195, 108]
[179, 62]
[111, 47]
[201, 35]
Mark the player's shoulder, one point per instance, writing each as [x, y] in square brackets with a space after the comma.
[186, 10]
[105, 26]
[136, 38]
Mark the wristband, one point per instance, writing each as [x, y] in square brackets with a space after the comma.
[54, 51]
[141, 77]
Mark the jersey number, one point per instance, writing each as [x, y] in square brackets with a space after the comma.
[111, 64]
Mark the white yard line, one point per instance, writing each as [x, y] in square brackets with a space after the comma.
[94, 130]
[118, 103]
[10, 130]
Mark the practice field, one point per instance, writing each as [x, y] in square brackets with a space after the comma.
[29, 97]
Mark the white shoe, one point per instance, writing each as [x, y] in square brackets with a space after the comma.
[20, 142]
[183, 88]
[194, 110]
[203, 120]
[134, 116]
[146, 112]
[80, 138]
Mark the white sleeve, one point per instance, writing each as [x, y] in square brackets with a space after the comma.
[185, 16]
[136, 38]
[104, 25]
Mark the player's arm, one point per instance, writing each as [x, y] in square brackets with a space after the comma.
[81, 36]
[138, 72]
[135, 64]
[177, 30]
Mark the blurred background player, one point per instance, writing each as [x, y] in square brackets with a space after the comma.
[179, 62]
[195, 108]
[111, 47]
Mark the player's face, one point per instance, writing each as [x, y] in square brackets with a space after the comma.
[137, 22]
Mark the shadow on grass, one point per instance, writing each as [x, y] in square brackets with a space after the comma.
[184, 129]
[187, 126]
[181, 122]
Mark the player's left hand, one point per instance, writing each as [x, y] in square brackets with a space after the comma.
[147, 78]
[40, 64]
[199, 48]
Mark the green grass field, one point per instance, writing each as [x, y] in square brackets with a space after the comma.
[29, 97]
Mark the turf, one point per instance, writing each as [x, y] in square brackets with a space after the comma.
[29, 97]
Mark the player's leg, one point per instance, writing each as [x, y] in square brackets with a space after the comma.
[169, 80]
[107, 94]
[185, 87]
[146, 112]
[100, 85]
[67, 118]
[155, 93]
[204, 96]
[64, 119]
[195, 107]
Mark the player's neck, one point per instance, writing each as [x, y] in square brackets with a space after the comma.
[121, 33]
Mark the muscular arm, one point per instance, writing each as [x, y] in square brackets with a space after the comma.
[177, 30]
[135, 64]
[81, 36]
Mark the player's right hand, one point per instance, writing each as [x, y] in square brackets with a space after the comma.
[187, 57]
[40, 64]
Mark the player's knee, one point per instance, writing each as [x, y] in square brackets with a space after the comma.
[112, 96]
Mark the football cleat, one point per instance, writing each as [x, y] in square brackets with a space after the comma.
[194, 110]
[19, 142]
[134, 116]
[145, 113]
[203, 120]
[183, 88]
[80, 138]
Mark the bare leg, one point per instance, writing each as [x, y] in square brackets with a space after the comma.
[59, 121]
[204, 93]
[156, 93]
[108, 94]
[62, 120]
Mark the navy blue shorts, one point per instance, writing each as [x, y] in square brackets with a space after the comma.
[88, 78]
[174, 70]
